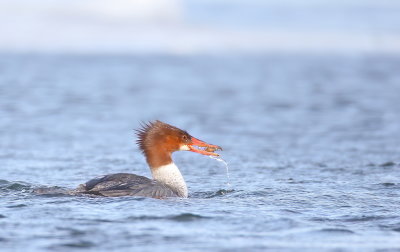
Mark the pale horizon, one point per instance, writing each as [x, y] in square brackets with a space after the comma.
[192, 27]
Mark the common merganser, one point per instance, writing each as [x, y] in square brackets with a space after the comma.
[157, 141]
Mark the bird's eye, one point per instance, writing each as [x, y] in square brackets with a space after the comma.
[185, 137]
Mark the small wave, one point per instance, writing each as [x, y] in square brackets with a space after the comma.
[366, 218]
[184, 217]
[218, 193]
[352, 219]
[17, 206]
[290, 211]
[320, 219]
[388, 184]
[392, 227]
[336, 231]
[7, 186]
[306, 181]
[386, 164]
[99, 220]
[11, 187]
[144, 218]
[79, 244]
[19, 189]
[207, 195]
[72, 231]
[2, 181]
[91, 221]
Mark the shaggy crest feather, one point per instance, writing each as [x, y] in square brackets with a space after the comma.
[148, 129]
[142, 133]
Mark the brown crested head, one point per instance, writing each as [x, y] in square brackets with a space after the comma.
[158, 140]
[161, 136]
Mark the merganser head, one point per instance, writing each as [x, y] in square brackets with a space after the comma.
[158, 138]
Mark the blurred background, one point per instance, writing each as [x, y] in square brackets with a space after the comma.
[194, 26]
[303, 96]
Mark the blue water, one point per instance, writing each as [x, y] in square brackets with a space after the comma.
[312, 144]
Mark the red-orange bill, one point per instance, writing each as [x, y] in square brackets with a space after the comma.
[207, 149]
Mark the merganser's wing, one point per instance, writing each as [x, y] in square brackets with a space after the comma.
[114, 180]
[125, 184]
[154, 189]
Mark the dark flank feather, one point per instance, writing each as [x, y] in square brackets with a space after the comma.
[124, 184]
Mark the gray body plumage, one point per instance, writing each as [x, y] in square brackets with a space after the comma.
[125, 184]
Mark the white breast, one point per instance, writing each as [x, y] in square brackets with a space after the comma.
[170, 175]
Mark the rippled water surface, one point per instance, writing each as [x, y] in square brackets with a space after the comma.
[312, 144]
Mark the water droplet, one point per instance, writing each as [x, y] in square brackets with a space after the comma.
[226, 167]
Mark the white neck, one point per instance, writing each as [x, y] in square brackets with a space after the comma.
[170, 175]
